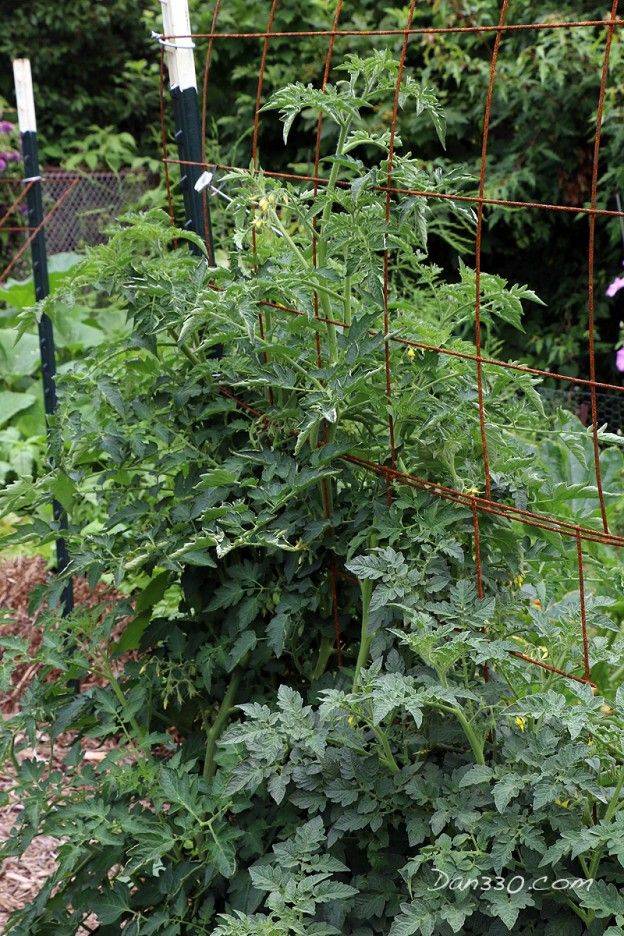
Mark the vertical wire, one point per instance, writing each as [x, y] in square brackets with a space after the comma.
[478, 568]
[591, 261]
[254, 156]
[317, 158]
[204, 110]
[479, 235]
[327, 506]
[386, 257]
[581, 578]
[260, 86]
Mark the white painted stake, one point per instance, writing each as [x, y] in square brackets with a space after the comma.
[24, 95]
[170, 58]
[180, 25]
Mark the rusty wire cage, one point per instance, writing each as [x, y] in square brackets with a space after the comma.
[584, 395]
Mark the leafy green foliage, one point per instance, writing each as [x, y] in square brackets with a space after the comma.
[100, 51]
[77, 328]
[267, 778]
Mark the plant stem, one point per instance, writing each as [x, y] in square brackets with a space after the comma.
[475, 742]
[388, 756]
[216, 729]
[608, 816]
[322, 245]
[107, 671]
[276, 220]
[366, 590]
[347, 300]
[184, 348]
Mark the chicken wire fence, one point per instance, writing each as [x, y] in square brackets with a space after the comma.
[592, 400]
[97, 200]
[578, 400]
[78, 208]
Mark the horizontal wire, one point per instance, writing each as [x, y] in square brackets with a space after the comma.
[452, 352]
[464, 355]
[489, 506]
[483, 504]
[552, 669]
[412, 31]
[476, 504]
[419, 193]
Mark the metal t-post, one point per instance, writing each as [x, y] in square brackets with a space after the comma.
[30, 155]
[181, 64]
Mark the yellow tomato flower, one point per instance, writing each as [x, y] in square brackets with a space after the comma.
[520, 722]
[411, 354]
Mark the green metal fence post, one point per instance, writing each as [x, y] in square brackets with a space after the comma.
[181, 64]
[34, 201]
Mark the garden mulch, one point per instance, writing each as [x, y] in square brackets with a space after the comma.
[21, 878]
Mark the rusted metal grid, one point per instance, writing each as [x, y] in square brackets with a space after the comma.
[577, 533]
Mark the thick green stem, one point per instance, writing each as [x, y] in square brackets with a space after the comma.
[387, 756]
[347, 300]
[330, 188]
[608, 816]
[277, 223]
[366, 590]
[184, 348]
[216, 729]
[107, 671]
[475, 742]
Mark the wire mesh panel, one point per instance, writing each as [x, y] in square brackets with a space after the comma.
[78, 208]
[17, 226]
[577, 400]
[587, 393]
[97, 200]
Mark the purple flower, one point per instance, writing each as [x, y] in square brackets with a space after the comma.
[615, 286]
[6, 126]
[619, 360]
[3, 165]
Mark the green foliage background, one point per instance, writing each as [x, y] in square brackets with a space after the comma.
[95, 64]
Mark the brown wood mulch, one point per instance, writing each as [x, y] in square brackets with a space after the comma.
[21, 878]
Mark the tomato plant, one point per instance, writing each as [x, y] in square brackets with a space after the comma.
[286, 763]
